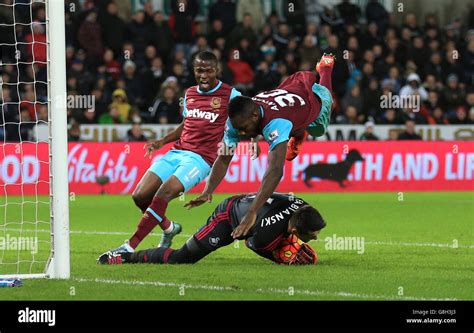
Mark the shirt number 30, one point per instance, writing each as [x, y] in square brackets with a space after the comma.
[282, 97]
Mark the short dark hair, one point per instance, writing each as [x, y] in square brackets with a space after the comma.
[307, 219]
[240, 106]
[206, 56]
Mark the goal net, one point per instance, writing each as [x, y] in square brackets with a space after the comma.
[34, 228]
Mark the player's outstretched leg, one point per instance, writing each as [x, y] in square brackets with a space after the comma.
[324, 90]
[155, 215]
[189, 253]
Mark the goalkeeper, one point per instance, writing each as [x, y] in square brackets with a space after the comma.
[279, 217]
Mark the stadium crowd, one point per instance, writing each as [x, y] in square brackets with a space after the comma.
[137, 65]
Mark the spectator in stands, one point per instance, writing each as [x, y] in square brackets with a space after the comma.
[242, 72]
[40, 130]
[414, 86]
[431, 84]
[308, 51]
[90, 36]
[453, 94]
[225, 12]
[36, 47]
[294, 12]
[89, 117]
[112, 66]
[468, 59]
[418, 52]
[375, 12]
[453, 65]
[135, 133]
[368, 134]
[371, 99]
[120, 103]
[23, 127]
[266, 78]
[459, 117]
[112, 117]
[184, 14]
[153, 77]
[329, 17]
[74, 132]
[165, 109]
[437, 117]
[469, 103]
[113, 28]
[433, 101]
[349, 12]
[391, 117]
[139, 32]
[243, 30]
[313, 11]
[254, 7]
[353, 98]
[217, 32]
[161, 35]
[350, 116]
[178, 73]
[409, 132]
[434, 66]
[133, 83]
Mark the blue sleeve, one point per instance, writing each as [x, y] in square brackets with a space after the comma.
[231, 136]
[277, 131]
[234, 93]
[184, 107]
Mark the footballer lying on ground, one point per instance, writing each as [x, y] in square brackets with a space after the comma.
[196, 142]
[284, 117]
[284, 225]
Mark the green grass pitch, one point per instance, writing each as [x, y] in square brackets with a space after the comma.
[421, 247]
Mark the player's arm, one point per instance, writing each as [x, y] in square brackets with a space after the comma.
[171, 137]
[271, 179]
[276, 133]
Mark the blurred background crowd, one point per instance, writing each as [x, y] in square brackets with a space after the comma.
[138, 63]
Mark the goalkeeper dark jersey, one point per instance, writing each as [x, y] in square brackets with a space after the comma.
[270, 228]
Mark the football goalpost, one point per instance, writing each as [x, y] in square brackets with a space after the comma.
[34, 207]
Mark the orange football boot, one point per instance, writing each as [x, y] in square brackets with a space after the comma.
[327, 61]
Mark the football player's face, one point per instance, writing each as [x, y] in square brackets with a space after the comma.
[205, 73]
[306, 237]
[247, 128]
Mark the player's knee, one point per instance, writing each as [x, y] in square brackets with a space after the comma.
[168, 193]
[140, 199]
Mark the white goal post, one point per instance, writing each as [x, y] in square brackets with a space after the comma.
[57, 263]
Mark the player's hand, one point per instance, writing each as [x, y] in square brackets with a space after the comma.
[204, 197]
[305, 256]
[254, 149]
[244, 227]
[152, 146]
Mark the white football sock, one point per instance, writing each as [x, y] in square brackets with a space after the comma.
[169, 229]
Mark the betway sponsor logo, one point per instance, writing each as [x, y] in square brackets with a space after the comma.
[82, 171]
[196, 113]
